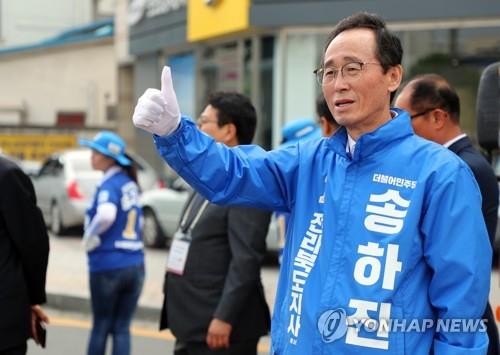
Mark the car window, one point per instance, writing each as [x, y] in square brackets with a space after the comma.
[50, 168]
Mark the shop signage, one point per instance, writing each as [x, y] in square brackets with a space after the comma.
[213, 18]
[138, 9]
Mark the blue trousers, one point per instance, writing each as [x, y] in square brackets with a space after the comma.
[114, 295]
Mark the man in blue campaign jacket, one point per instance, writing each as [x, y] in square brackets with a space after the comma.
[387, 249]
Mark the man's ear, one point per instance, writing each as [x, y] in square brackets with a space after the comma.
[326, 128]
[395, 77]
[439, 118]
[230, 136]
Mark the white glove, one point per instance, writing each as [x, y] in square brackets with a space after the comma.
[90, 242]
[158, 111]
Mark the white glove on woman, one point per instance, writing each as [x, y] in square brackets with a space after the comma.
[90, 242]
[158, 111]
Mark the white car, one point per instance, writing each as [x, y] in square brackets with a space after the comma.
[66, 183]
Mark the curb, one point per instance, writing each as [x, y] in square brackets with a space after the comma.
[82, 304]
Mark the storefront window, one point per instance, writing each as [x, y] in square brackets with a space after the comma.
[459, 55]
[183, 68]
[265, 92]
[237, 66]
[303, 52]
[219, 69]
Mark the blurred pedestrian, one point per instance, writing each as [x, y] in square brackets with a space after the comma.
[326, 120]
[368, 254]
[112, 238]
[434, 108]
[299, 130]
[293, 132]
[214, 299]
[24, 250]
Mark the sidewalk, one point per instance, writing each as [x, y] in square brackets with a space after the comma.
[67, 279]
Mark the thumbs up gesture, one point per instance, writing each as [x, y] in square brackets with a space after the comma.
[158, 111]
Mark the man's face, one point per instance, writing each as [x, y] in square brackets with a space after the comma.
[207, 122]
[361, 105]
[422, 124]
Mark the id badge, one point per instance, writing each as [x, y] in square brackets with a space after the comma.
[178, 253]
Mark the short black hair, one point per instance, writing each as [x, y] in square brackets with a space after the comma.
[389, 50]
[235, 108]
[434, 91]
[323, 111]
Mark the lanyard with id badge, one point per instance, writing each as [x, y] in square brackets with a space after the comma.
[182, 239]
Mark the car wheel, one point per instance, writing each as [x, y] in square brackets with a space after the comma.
[152, 235]
[55, 220]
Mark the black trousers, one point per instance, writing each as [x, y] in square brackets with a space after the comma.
[16, 350]
[201, 348]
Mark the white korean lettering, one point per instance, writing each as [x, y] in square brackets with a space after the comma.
[370, 262]
[361, 316]
[392, 266]
[386, 219]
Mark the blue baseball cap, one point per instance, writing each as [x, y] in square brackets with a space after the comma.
[298, 130]
[110, 144]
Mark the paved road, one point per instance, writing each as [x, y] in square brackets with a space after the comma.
[68, 334]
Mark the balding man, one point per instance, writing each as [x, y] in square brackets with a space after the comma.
[434, 108]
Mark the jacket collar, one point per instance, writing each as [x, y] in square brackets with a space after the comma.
[372, 142]
[459, 145]
[115, 169]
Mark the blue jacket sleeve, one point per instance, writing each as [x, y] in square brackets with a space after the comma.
[457, 249]
[225, 175]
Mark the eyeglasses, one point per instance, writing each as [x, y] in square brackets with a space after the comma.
[201, 121]
[349, 71]
[421, 113]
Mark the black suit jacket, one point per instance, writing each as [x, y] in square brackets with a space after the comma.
[24, 248]
[222, 276]
[486, 179]
[487, 182]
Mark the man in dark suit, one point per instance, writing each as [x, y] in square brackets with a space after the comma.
[214, 299]
[434, 108]
[24, 249]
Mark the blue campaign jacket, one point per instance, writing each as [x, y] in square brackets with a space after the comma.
[386, 252]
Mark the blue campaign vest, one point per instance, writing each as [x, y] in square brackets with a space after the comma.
[121, 244]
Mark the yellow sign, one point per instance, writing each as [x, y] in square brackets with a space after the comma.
[207, 19]
[35, 147]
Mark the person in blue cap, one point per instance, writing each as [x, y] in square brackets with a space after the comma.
[294, 131]
[112, 238]
[299, 129]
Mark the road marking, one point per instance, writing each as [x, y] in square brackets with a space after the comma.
[84, 324]
[137, 331]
